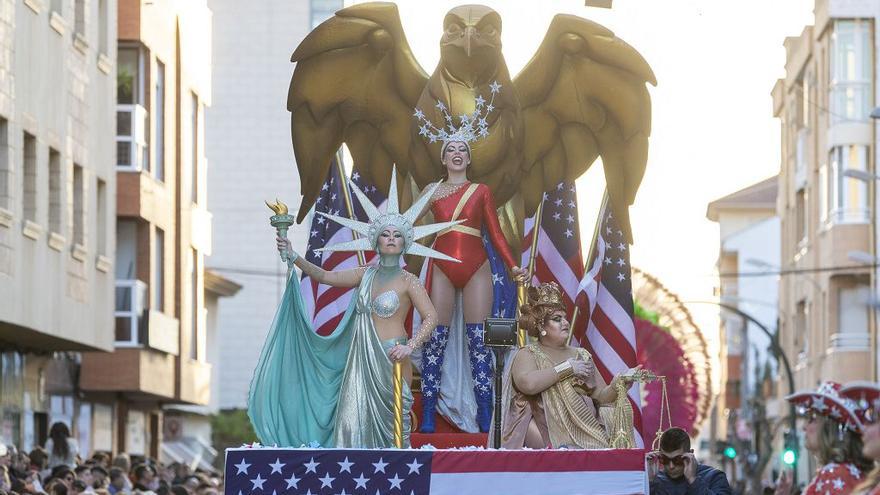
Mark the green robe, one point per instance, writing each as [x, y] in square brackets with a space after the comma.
[335, 390]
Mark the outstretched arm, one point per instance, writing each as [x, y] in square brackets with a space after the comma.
[342, 278]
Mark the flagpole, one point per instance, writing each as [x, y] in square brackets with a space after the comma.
[346, 193]
[574, 313]
[533, 252]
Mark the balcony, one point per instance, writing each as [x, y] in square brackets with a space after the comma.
[131, 138]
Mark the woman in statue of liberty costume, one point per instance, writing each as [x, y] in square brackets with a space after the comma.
[337, 390]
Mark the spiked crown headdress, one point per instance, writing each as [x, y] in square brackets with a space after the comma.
[471, 127]
[403, 222]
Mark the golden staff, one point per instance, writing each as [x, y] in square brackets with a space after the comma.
[533, 255]
[346, 194]
[574, 314]
[398, 404]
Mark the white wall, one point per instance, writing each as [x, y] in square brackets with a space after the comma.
[248, 140]
[758, 296]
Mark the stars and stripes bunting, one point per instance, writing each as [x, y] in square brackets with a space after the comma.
[268, 471]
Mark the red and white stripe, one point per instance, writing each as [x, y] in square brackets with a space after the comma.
[548, 472]
[610, 332]
[550, 266]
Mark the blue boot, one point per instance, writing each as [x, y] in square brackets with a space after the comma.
[432, 363]
[481, 369]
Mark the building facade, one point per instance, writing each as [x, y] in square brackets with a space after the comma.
[57, 189]
[252, 161]
[163, 227]
[749, 242]
[826, 205]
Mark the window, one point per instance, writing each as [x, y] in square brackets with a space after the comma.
[55, 190]
[131, 116]
[848, 196]
[800, 216]
[801, 328]
[824, 187]
[130, 292]
[851, 70]
[5, 172]
[101, 190]
[853, 315]
[79, 16]
[194, 143]
[126, 249]
[159, 120]
[128, 75]
[79, 213]
[158, 281]
[323, 10]
[194, 299]
[29, 184]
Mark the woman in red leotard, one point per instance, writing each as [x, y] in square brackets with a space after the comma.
[459, 199]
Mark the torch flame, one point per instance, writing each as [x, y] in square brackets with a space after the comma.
[278, 207]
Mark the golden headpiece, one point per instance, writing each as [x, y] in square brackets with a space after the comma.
[545, 294]
[543, 301]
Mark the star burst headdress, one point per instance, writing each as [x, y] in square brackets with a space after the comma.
[403, 222]
[471, 126]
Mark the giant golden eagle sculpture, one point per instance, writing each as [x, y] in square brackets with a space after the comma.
[582, 95]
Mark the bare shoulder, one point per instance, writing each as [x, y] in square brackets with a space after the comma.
[524, 357]
[412, 282]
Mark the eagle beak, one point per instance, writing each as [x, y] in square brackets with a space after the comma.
[468, 36]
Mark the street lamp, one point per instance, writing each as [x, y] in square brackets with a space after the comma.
[777, 352]
[860, 174]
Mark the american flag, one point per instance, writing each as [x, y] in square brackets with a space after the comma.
[558, 257]
[604, 325]
[605, 293]
[326, 304]
[270, 471]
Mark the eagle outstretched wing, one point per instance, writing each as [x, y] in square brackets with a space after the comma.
[583, 95]
[356, 81]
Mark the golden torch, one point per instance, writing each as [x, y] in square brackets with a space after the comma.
[282, 221]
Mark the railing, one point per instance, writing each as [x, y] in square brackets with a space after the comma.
[850, 341]
[131, 304]
[131, 138]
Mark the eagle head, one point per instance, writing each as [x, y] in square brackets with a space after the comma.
[471, 42]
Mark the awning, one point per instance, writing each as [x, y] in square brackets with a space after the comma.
[189, 450]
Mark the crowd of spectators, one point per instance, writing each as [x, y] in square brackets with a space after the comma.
[58, 468]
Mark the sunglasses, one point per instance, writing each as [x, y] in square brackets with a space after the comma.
[672, 461]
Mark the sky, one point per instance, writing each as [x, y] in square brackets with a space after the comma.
[713, 128]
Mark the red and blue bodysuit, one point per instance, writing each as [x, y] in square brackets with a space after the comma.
[473, 204]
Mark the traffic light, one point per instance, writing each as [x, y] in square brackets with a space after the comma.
[730, 452]
[789, 453]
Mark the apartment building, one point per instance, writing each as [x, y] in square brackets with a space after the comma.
[57, 184]
[163, 227]
[826, 214]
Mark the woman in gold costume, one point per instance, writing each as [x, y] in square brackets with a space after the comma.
[553, 394]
